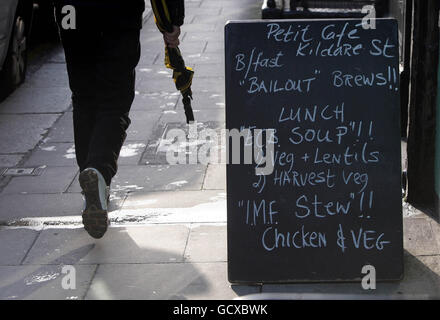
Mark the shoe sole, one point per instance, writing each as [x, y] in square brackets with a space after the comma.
[95, 218]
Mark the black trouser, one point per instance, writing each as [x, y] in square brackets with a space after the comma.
[101, 69]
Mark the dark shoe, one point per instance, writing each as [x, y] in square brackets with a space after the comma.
[96, 194]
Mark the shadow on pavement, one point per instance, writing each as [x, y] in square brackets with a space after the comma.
[128, 263]
[421, 281]
[28, 283]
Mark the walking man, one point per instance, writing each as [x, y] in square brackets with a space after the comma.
[102, 50]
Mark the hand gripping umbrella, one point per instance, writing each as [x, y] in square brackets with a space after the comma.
[182, 74]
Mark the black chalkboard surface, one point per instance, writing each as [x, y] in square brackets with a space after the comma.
[329, 90]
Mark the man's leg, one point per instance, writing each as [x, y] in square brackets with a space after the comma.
[80, 52]
[101, 67]
[119, 53]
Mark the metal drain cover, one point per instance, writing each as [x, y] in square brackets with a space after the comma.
[23, 171]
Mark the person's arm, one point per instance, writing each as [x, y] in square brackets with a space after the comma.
[176, 8]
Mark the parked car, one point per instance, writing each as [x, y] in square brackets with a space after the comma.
[15, 25]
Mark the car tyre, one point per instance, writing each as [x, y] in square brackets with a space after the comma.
[15, 64]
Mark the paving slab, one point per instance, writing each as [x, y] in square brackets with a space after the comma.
[149, 85]
[146, 244]
[14, 245]
[421, 281]
[206, 100]
[202, 36]
[201, 115]
[150, 58]
[37, 100]
[42, 282]
[142, 125]
[196, 27]
[249, 10]
[202, 19]
[131, 153]
[215, 178]
[186, 47]
[419, 238]
[57, 56]
[409, 211]
[194, 3]
[178, 207]
[421, 276]
[170, 141]
[188, 281]
[149, 27]
[208, 83]
[154, 72]
[49, 75]
[204, 11]
[51, 180]
[191, 47]
[150, 49]
[10, 160]
[436, 230]
[158, 101]
[150, 42]
[154, 178]
[216, 69]
[21, 133]
[207, 243]
[54, 207]
[53, 155]
[62, 131]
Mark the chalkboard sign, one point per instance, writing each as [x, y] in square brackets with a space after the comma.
[321, 197]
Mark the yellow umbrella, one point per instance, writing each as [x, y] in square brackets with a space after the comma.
[182, 74]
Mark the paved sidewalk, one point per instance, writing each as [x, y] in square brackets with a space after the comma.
[168, 234]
